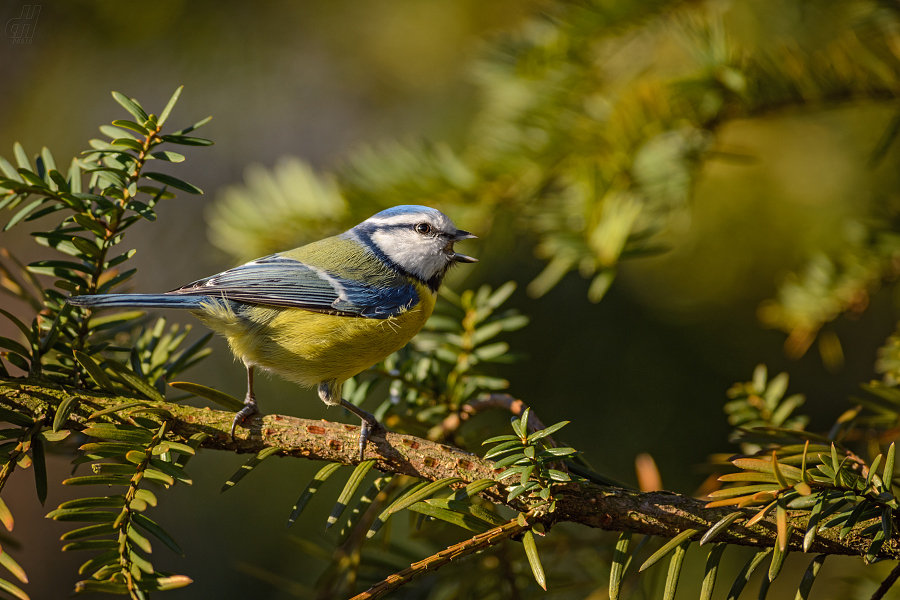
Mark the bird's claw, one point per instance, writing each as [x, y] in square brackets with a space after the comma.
[365, 432]
[370, 425]
[250, 408]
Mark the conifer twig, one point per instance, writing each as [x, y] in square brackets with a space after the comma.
[436, 561]
[488, 401]
[888, 582]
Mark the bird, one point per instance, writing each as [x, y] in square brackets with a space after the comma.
[324, 312]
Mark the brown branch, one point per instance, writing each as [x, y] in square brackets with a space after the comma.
[503, 401]
[470, 546]
[886, 585]
[663, 514]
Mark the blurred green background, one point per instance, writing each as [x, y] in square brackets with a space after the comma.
[644, 370]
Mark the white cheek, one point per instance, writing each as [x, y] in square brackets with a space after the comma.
[420, 256]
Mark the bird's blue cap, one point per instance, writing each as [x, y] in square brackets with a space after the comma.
[405, 209]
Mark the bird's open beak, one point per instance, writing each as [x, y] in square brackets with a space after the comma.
[458, 237]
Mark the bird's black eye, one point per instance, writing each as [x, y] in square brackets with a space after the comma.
[423, 228]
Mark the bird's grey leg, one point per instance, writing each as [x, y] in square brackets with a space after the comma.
[330, 393]
[250, 407]
[369, 425]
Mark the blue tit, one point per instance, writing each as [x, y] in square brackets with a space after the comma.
[322, 313]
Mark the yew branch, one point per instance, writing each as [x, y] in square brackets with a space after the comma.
[663, 514]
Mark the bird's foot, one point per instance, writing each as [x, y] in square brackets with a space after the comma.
[365, 432]
[370, 425]
[250, 409]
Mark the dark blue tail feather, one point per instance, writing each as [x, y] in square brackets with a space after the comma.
[138, 301]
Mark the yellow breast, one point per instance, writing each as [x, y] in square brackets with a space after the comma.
[310, 347]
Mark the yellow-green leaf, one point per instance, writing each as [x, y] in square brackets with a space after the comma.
[533, 559]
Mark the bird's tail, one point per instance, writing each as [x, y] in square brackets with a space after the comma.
[138, 301]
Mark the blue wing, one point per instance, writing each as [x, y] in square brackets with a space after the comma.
[280, 281]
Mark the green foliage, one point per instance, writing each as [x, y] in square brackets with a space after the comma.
[761, 403]
[71, 345]
[448, 363]
[258, 228]
[249, 466]
[130, 453]
[530, 456]
[833, 285]
[783, 468]
[133, 457]
[786, 467]
[27, 434]
[74, 347]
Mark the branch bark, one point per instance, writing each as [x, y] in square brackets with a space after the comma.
[663, 514]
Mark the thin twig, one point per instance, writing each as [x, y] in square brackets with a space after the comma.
[888, 582]
[502, 401]
[436, 561]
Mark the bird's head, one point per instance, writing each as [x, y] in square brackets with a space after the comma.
[418, 239]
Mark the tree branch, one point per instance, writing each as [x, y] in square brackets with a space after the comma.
[470, 546]
[503, 401]
[663, 514]
[887, 584]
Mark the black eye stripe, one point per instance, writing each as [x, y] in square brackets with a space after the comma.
[397, 226]
[370, 228]
[391, 226]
